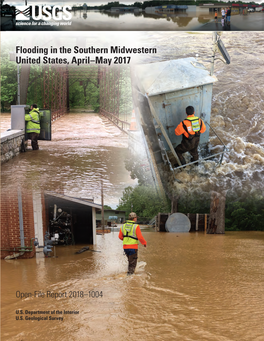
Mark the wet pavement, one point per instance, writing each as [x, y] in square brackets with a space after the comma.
[249, 22]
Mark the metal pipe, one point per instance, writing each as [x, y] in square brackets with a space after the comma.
[54, 212]
[18, 85]
[216, 134]
[20, 248]
[102, 202]
[214, 52]
[205, 158]
[20, 210]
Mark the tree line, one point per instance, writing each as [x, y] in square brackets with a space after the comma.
[241, 214]
[154, 3]
[84, 91]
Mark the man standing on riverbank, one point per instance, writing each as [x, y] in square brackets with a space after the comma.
[228, 16]
[191, 128]
[33, 125]
[131, 234]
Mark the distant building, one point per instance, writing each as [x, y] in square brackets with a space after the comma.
[111, 216]
[171, 8]
[124, 9]
[165, 8]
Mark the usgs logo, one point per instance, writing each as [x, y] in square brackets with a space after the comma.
[45, 12]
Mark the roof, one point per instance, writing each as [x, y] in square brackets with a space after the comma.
[163, 77]
[112, 210]
[73, 200]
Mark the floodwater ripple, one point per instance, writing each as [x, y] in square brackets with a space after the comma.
[192, 287]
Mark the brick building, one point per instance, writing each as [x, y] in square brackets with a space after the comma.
[22, 220]
[26, 215]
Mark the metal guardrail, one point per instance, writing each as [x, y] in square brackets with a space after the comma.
[204, 158]
[114, 119]
[152, 221]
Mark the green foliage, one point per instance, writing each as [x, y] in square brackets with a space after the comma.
[106, 207]
[245, 215]
[138, 4]
[154, 3]
[137, 171]
[117, 88]
[34, 94]
[8, 80]
[84, 93]
[76, 97]
[143, 200]
[125, 96]
[195, 203]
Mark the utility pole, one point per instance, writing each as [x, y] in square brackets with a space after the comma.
[214, 52]
[102, 203]
[18, 85]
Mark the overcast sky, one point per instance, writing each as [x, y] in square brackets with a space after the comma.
[89, 3]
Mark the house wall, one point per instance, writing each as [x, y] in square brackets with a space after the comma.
[10, 221]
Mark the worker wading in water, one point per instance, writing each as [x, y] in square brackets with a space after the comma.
[191, 128]
[33, 125]
[131, 235]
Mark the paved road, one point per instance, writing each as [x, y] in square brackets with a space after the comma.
[249, 22]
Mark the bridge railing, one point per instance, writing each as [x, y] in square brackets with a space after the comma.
[115, 120]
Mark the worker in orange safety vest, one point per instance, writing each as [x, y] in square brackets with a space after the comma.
[191, 128]
[131, 235]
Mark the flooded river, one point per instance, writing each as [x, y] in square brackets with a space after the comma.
[189, 287]
[83, 20]
[237, 109]
[84, 150]
[143, 21]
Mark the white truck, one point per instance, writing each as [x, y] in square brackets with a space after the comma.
[258, 9]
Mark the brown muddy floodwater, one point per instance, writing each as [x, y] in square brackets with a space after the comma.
[188, 287]
[143, 21]
[83, 20]
[84, 149]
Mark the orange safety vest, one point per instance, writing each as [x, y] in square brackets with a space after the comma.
[187, 127]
